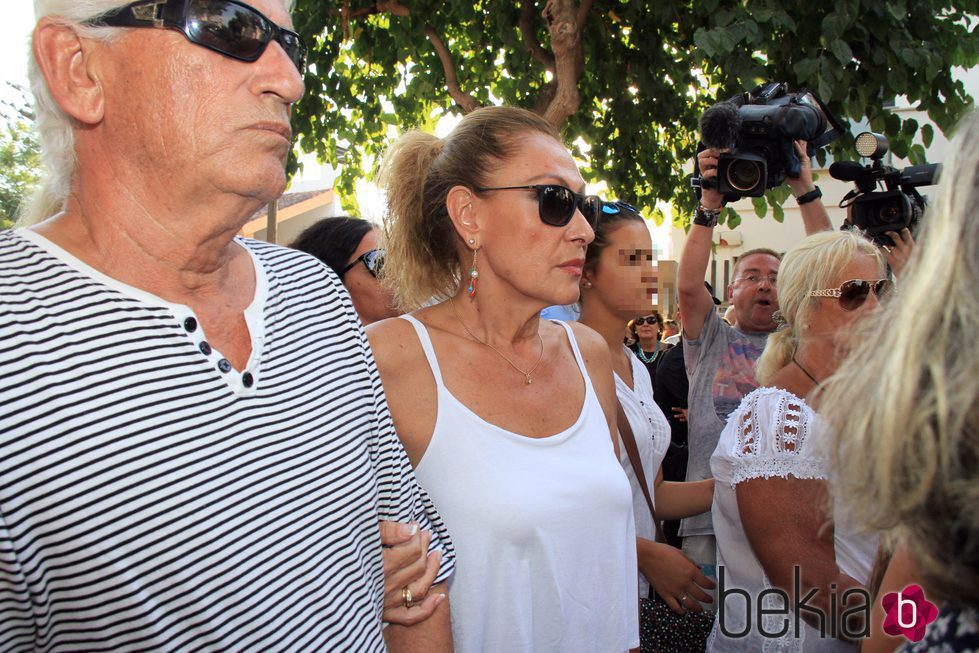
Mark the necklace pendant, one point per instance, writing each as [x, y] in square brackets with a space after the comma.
[529, 380]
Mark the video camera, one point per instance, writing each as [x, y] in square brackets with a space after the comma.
[876, 212]
[759, 129]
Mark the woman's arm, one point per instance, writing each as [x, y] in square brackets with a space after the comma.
[900, 573]
[676, 500]
[673, 575]
[408, 564]
[431, 635]
[425, 626]
[598, 362]
[787, 526]
[409, 386]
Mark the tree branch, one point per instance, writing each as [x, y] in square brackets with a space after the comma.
[544, 98]
[583, 10]
[565, 30]
[464, 100]
[382, 6]
[345, 20]
[526, 24]
[582, 16]
[394, 7]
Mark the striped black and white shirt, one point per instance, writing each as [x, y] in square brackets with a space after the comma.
[154, 498]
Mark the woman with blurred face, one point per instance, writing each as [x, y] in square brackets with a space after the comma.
[618, 282]
[507, 418]
[772, 517]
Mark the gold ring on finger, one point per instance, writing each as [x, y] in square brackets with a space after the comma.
[406, 597]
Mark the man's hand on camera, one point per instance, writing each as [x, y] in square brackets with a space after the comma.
[804, 183]
[897, 255]
[709, 197]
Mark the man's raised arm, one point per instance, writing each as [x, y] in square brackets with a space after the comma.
[807, 194]
[694, 300]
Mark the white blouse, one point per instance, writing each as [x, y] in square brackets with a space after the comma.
[652, 433]
[772, 434]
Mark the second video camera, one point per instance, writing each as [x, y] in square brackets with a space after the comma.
[898, 205]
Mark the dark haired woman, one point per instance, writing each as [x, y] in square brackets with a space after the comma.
[351, 247]
[506, 417]
[649, 347]
[617, 282]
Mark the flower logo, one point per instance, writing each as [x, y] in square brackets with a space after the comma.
[908, 613]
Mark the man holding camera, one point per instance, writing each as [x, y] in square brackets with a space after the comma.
[720, 358]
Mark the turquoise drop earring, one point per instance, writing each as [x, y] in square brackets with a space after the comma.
[473, 272]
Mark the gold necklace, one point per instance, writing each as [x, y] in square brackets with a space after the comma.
[527, 374]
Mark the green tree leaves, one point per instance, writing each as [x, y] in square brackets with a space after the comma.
[20, 159]
[643, 70]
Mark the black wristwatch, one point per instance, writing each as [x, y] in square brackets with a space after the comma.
[811, 196]
[706, 217]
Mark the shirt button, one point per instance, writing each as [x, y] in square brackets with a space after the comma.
[224, 365]
[205, 348]
[190, 324]
[247, 379]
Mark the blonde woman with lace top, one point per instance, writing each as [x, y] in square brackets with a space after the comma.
[771, 505]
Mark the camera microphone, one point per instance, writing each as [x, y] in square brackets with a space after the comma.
[720, 126]
[847, 171]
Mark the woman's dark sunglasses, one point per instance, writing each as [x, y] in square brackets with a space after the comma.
[373, 260]
[647, 320]
[853, 293]
[231, 28]
[618, 206]
[556, 204]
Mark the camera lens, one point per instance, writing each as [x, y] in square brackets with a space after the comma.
[890, 213]
[743, 175]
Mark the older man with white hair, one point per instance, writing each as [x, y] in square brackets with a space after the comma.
[196, 446]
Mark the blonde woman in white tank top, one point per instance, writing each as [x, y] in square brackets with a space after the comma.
[618, 283]
[507, 419]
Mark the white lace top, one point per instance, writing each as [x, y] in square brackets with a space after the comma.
[773, 433]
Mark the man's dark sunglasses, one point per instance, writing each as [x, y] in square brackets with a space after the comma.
[373, 260]
[231, 28]
[652, 319]
[556, 204]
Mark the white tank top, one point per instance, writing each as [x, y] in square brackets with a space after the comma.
[543, 529]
